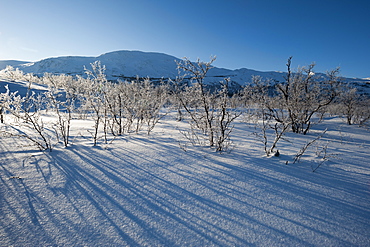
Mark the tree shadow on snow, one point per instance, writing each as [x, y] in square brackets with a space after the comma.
[150, 192]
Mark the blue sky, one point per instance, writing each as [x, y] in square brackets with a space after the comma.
[255, 34]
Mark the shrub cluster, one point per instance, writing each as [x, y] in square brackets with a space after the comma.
[122, 107]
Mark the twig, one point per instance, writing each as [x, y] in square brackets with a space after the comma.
[304, 148]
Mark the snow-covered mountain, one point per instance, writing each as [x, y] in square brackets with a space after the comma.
[127, 64]
[119, 64]
[13, 63]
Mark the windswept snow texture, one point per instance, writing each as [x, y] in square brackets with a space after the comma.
[142, 190]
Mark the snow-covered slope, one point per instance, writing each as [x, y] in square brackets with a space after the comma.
[126, 64]
[123, 64]
[118, 64]
[133, 63]
[14, 63]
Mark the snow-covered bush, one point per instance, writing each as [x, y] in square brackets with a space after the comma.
[209, 111]
[14, 74]
[61, 98]
[353, 106]
[225, 116]
[144, 102]
[93, 95]
[291, 104]
[130, 105]
[121, 106]
[296, 100]
[257, 102]
[2, 107]
[29, 122]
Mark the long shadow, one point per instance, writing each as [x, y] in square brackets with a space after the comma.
[19, 209]
[288, 190]
[176, 193]
[285, 189]
[149, 201]
[123, 196]
[282, 189]
[97, 192]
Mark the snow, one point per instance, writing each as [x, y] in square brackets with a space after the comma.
[127, 64]
[158, 190]
[14, 63]
[118, 64]
[21, 86]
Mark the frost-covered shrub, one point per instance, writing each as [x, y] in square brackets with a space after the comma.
[29, 122]
[210, 112]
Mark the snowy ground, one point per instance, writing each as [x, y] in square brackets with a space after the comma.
[148, 191]
[157, 190]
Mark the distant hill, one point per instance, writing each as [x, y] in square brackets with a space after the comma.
[128, 64]
[119, 64]
[14, 63]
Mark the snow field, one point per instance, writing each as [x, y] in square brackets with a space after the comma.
[157, 190]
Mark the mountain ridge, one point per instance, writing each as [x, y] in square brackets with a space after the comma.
[127, 64]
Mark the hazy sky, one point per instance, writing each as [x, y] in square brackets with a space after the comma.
[255, 34]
